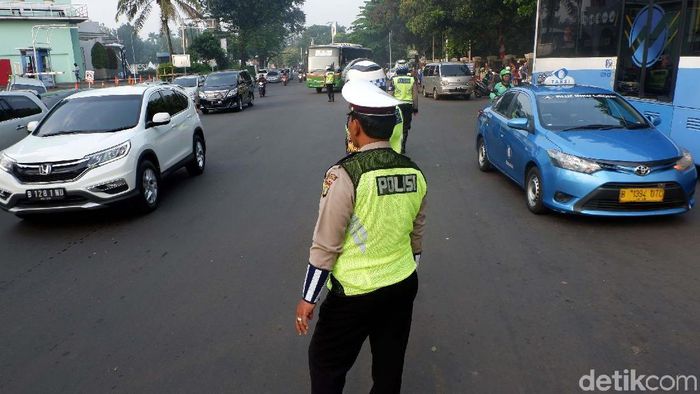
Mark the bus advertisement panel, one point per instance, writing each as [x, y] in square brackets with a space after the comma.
[645, 50]
[336, 56]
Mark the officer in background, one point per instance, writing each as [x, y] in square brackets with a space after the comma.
[366, 244]
[502, 87]
[406, 91]
[329, 80]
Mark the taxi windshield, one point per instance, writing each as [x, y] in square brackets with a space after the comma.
[587, 111]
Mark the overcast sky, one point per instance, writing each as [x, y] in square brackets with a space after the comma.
[317, 12]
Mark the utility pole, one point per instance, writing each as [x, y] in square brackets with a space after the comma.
[433, 47]
[390, 59]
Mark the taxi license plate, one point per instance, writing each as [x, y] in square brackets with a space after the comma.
[46, 194]
[641, 195]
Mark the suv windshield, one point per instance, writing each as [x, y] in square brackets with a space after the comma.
[77, 116]
[221, 79]
[186, 82]
[564, 112]
[455, 70]
[272, 73]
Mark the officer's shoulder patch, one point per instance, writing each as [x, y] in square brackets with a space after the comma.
[327, 182]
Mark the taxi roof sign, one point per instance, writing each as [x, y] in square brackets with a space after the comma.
[558, 77]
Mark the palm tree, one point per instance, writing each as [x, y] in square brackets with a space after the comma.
[137, 11]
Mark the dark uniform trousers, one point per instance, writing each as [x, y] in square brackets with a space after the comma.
[407, 113]
[331, 92]
[343, 325]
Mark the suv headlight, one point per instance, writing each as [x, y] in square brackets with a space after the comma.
[6, 163]
[202, 95]
[108, 155]
[232, 93]
[573, 163]
[684, 162]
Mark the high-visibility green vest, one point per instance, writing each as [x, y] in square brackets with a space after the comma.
[397, 134]
[330, 78]
[389, 191]
[403, 88]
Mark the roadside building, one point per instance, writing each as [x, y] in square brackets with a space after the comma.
[40, 38]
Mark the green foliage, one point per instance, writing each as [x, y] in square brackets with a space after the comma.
[207, 47]
[112, 59]
[261, 26]
[138, 11]
[99, 56]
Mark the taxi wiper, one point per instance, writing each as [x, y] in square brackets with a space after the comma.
[633, 126]
[592, 127]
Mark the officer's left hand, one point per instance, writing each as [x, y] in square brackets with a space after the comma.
[305, 312]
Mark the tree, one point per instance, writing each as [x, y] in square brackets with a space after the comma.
[207, 47]
[99, 56]
[137, 11]
[261, 26]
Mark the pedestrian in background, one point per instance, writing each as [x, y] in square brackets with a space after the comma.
[367, 243]
[524, 71]
[406, 91]
[76, 71]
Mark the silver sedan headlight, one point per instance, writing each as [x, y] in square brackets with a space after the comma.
[108, 155]
[572, 163]
[6, 163]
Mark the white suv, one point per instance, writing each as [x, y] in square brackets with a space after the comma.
[102, 146]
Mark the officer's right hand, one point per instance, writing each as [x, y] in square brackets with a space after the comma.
[305, 312]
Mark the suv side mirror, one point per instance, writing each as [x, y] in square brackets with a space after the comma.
[159, 119]
[520, 124]
[31, 126]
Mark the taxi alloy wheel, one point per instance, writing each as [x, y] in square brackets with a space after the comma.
[482, 157]
[533, 192]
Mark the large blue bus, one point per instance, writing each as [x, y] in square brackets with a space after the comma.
[646, 50]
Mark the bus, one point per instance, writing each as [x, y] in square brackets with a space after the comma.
[645, 50]
[334, 55]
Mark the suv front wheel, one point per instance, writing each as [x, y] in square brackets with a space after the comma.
[196, 167]
[148, 183]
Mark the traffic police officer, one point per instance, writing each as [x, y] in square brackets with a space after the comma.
[366, 244]
[329, 80]
[406, 91]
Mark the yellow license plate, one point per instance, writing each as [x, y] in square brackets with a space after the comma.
[641, 195]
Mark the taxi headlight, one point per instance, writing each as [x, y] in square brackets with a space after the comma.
[108, 155]
[684, 162]
[6, 163]
[572, 163]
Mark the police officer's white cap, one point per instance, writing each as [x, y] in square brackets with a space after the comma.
[364, 94]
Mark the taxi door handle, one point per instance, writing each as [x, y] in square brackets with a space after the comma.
[20, 127]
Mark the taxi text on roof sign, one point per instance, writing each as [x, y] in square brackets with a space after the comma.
[556, 78]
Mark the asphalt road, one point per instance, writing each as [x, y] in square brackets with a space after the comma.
[199, 296]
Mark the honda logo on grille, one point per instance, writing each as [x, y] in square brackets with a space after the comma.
[642, 170]
[45, 169]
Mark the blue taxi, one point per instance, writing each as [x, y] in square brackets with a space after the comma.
[584, 150]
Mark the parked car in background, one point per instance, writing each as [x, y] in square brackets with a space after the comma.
[447, 79]
[102, 146]
[273, 76]
[23, 84]
[17, 109]
[191, 84]
[226, 90]
[261, 71]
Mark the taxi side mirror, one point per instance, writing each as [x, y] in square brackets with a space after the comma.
[653, 119]
[520, 124]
